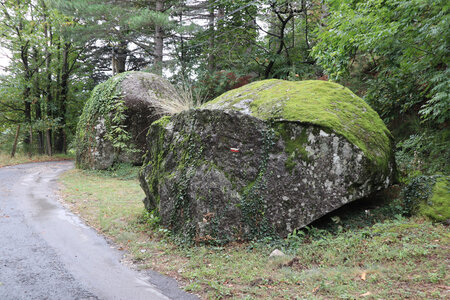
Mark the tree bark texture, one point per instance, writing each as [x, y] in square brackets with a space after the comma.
[16, 138]
[159, 40]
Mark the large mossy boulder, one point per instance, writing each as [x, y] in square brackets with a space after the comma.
[264, 159]
[116, 118]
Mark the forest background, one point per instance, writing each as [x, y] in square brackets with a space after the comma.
[394, 54]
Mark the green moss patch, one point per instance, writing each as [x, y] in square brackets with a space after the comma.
[316, 102]
[437, 207]
[295, 145]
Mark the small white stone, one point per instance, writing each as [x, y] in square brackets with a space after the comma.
[285, 198]
[276, 253]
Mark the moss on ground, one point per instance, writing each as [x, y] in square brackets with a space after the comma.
[316, 102]
[437, 207]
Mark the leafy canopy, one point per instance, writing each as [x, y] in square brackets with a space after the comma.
[403, 45]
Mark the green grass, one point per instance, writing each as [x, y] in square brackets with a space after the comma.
[20, 158]
[395, 258]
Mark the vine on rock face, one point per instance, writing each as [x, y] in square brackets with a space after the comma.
[253, 204]
[105, 103]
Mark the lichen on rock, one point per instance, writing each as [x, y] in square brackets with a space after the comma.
[263, 160]
[116, 118]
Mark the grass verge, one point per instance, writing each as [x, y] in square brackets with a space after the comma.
[19, 158]
[394, 259]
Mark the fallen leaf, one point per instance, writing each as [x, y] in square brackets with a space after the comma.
[366, 294]
[316, 289]
[363, 276]
[445, 287]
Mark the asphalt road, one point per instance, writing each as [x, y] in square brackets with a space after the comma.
[46, 252]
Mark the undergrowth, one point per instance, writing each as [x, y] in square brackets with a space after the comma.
[366, 251]
[121, 171]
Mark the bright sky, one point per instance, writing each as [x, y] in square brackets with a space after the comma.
[4, 60]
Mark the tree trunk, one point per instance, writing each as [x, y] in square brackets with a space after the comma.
[61, 144]
[16, 138]
[159, 40]
[26, 94]
[280, 36]
[211, 56]
[40, 136]
[49, 142]
[48, 88]
[119, 58]
[37, 105]
[30, 152]
[28, 140]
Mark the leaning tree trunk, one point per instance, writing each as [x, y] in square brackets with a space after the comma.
[16, 138]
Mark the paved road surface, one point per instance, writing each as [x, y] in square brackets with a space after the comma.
[46, 252]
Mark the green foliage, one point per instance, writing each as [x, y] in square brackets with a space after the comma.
[428, 196]
[118, 135]
[151, 219]
[416, 192]
[39, 90]
[403, 45]
[424, 152]
[260, 39]
[210, 86]
[121, 171]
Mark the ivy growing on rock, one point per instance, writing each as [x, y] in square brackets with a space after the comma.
[104, 108]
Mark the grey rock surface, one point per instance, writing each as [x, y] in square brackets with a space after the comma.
[207, 192]
[139, 92]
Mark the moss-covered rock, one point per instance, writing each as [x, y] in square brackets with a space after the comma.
[263, 160]
[116, 118]
[323, 103]
[437, 206]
